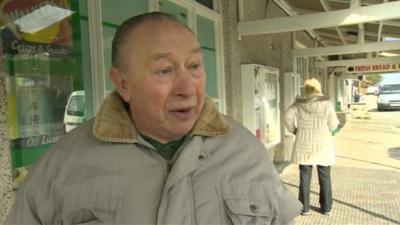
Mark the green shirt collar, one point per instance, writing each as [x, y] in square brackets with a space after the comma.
[167, 150]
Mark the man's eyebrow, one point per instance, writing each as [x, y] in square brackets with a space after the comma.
[196, 50]
[165, 55]
[160, 56]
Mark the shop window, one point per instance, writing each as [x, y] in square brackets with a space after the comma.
[321, 78]
[113, 14]
[207, 3]
[179, 11]
[206, 37]
[301, 67]
[42, 55]
[205, 25]
[209, 33]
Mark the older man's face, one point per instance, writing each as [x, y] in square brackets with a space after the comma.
[165, 80]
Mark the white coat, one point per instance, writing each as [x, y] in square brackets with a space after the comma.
[312, 119]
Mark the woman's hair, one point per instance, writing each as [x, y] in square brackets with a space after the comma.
[312, 86]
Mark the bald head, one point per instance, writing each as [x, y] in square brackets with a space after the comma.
[126, 29]
[158, 70]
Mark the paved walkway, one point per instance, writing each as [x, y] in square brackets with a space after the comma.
[366, 177]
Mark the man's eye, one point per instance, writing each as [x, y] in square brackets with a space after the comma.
[195, 66]
[165, 71]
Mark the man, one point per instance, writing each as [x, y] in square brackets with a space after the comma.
[158, 151]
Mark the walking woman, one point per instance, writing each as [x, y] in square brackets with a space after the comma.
[312, 119]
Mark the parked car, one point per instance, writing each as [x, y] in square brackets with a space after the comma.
[372, 90]
[389, 96]
[75, 110]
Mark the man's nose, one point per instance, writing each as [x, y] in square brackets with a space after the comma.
[184, 83]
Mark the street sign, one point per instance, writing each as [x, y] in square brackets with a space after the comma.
[372, 68]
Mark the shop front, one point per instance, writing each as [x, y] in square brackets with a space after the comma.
[56, 76]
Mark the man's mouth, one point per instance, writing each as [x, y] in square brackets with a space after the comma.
[182, 113]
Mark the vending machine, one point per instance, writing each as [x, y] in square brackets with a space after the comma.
[260, 102]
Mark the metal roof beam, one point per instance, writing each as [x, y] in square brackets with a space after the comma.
[379, 38]
[326, 7]
[355, 4]
[347, 49]
[384, 11]
[353, 62]
[388, 23]
[367, 33]
[289, 10]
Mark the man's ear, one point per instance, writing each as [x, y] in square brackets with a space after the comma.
[120, 83]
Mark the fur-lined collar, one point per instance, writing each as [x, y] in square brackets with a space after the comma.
[113, 122]
[312, 98]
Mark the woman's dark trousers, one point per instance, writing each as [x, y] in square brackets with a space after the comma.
[325, 188]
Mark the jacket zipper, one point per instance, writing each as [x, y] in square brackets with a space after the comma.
[169, 166]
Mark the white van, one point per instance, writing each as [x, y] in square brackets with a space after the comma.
[389, 96]
[74, 110]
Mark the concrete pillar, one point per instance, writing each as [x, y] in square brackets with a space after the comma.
[232, 61]
[5, 159]
[331, 89]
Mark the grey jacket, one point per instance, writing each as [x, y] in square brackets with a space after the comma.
[103, 172]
